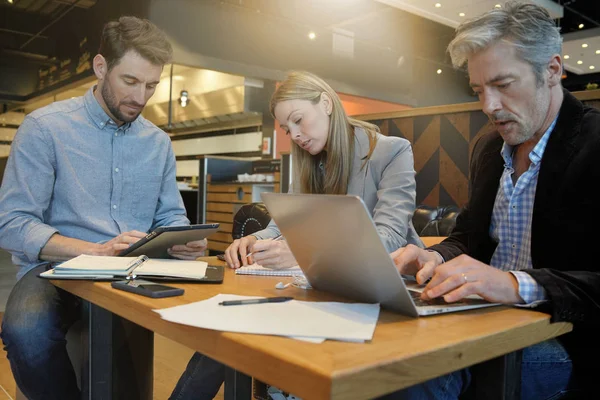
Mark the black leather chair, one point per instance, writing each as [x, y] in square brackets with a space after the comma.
[435, 221]
[250, 218]
[428, 221]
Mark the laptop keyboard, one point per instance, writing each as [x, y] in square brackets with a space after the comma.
[419, 302]
[439, 301]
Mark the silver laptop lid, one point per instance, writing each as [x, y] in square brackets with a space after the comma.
[336, 243]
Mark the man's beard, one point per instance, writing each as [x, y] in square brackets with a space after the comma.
[113, 107]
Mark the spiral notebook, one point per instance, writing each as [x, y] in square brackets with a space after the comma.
[256, 269]
[88, 267]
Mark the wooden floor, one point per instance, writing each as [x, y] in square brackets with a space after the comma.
[170, 360]
[7, 383]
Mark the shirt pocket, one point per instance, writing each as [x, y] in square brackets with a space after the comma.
[147, 193]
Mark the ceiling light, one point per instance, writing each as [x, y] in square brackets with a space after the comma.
[592, 67]
[437, 5]
[312, 35]
[461, 14]
[597, 51]
[439, 71]
[581, 26]
[584, 45]
[10, 1]
[498, 6]
[183, 100]
[579, 62]
[567, 57]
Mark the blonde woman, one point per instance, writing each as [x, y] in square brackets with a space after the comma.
[332, 154]
[335, 154]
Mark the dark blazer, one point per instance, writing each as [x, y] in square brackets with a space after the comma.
[565, 225]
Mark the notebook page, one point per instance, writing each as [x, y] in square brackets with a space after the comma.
[98, 264]
[256, 269]
[173, 268]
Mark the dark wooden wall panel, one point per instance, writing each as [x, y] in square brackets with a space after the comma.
[441, 146]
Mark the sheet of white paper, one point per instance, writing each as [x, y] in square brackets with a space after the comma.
[308, 339]
[327, 320]
[179, 268]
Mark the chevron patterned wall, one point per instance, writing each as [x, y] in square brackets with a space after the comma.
[442, 147]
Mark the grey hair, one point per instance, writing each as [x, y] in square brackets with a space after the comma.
[526, 25]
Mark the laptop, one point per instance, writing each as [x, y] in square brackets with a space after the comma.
[336, 244]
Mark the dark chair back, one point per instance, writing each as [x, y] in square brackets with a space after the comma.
[435, 221]
[250, 218]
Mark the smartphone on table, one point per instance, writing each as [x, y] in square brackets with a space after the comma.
[147, 288]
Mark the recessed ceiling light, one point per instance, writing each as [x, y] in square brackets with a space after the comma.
[437, 5]
[461, 14]
[439, 71]
[592, 67]
[567, 57]
[581, 26]
[584, 45]
[498, 6]
[312, 35]
[597, 51]
[579, 62]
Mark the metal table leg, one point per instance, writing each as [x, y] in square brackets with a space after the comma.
[119, 357]
[499, 378]
[238, 386]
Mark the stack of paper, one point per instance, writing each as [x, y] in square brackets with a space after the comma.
[305, 320]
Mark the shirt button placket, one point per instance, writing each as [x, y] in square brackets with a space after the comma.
[117, 184]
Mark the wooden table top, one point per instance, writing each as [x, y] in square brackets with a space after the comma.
[404, 351]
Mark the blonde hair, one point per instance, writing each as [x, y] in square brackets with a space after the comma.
[132, 33]
[302, 85]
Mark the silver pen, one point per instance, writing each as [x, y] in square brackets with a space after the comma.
[274, 239]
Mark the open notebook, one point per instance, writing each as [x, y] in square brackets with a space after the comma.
[256, 269]
[108, 268]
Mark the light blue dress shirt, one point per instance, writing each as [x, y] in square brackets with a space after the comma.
[511, 220]
[73, 171]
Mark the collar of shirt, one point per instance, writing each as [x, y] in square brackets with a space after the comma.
[97, 113]
[536, 154]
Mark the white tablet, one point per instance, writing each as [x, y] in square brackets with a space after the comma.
[156, 243]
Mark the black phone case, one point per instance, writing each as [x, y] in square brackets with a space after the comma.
[173, 291]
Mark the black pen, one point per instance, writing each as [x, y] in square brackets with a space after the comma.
[255, 301]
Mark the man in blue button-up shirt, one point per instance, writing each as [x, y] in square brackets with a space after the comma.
[87, 175]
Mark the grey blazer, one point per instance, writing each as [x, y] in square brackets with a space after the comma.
[387, 186]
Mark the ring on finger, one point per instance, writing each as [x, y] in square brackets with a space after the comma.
[465, 277]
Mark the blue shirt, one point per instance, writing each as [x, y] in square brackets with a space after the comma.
[511, 219]
[73, 171]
